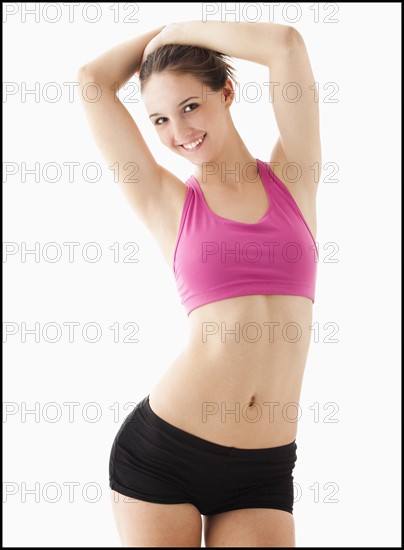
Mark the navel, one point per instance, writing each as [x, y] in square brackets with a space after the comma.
[251, 401]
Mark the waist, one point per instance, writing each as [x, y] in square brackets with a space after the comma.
[232, 399]
[257, 324]
[238, 380]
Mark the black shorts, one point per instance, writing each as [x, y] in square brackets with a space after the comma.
[155, 461]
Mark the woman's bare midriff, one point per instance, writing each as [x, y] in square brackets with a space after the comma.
[238, 380]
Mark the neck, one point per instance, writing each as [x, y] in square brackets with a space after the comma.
[233, 165]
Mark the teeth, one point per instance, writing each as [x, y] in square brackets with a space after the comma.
[193, 144]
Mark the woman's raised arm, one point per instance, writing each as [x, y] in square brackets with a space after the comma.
[257, 42]
[120, 63]
[152, 191]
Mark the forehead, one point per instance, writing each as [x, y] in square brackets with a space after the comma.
[167, 89]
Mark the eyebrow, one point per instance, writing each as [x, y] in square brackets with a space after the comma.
[179, 104]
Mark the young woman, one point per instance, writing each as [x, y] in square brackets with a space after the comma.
[216, 438]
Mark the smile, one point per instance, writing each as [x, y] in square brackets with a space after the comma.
[194, 145]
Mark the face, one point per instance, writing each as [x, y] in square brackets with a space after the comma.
[190, 119]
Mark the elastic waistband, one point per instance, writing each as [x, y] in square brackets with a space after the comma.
[287, 451]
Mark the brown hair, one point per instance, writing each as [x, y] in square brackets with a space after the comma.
[209, 66]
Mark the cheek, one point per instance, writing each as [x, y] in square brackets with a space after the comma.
[214, 119]
[163, 136]
[204, 119]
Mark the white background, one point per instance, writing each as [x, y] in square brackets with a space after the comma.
[359, 373]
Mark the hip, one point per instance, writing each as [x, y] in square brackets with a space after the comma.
[155, 461]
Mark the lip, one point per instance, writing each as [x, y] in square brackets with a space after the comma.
[197, 147]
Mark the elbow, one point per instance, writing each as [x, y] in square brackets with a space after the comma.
[82, 74]
[292, 38]
[87, 74]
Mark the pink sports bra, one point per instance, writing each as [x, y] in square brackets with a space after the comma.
[217, 258]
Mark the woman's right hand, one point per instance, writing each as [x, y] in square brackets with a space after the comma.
[165, 36]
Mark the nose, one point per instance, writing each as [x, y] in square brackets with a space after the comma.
[181, 133]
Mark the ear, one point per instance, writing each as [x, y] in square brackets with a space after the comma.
[228, 92]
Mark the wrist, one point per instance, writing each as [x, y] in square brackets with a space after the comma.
[168, 35]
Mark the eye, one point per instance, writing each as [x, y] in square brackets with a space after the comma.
[191, 105]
